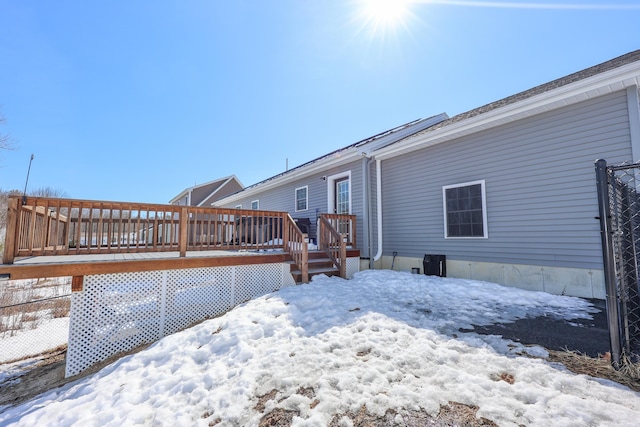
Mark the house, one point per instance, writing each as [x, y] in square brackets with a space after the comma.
[207, 193]
[333, 183]
[505, 192]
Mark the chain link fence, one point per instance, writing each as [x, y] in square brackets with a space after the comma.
[619, 209]
[34, 317]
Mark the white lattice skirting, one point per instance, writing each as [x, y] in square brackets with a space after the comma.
[353, 266]
[118, 312]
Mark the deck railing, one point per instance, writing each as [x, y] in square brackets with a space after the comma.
[297, 247]
[51, 226]
[39, 226]
[333, 243]
[345, 225]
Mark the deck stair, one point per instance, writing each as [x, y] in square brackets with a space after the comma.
[319, 263]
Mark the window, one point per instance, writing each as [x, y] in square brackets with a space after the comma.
[302, 198]
[255, 205]
[238, 206]
[465, 212]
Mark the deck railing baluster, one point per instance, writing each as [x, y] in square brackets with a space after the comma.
[53, 226]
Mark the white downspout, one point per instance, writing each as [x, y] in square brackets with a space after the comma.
[633, 102]
[379, 209]
[366, 204]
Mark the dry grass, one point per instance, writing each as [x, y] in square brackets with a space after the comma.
[21, 310]
[578, 363]
[451, 414]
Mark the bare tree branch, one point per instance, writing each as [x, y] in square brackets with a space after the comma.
[48, 192]
[6, 142]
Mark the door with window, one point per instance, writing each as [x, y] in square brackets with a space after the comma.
[342, 202]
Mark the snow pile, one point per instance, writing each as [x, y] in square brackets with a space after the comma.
[384, 339]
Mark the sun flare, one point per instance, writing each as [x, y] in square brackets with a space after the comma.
[383, 15]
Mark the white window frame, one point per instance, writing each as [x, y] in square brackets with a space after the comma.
[257, 202]
[485, 226]
[331, 190]
[238, 207]
[306, 198]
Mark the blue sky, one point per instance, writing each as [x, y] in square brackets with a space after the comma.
[137, 100]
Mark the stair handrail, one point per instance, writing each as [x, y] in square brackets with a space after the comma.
[334, 244]
[295, 242]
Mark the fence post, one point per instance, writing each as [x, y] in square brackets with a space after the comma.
[11, 240]
[606, 236]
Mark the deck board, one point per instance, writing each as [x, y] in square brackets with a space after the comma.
[80, 265]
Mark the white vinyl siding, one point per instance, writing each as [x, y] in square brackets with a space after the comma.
[279, 198]
[540, 180]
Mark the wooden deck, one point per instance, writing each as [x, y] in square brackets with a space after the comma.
[79, 266]
[82, 265]
[49, 237]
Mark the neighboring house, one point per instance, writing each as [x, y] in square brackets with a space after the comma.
[205, 194]
[334, 183]
[506, 191]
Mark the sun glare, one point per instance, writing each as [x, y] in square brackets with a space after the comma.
[383, 15]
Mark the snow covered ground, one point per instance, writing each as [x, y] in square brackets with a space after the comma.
[33, 317]
[384, 339]
[50, 334]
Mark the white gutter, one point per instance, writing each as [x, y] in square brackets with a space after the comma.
[600, 84]
[379, 208]
[338, 158]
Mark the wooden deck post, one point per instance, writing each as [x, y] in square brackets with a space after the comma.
[77, 283]
[285, 232]
[182, 236]
[11, 241]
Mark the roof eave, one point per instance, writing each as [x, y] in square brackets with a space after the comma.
[419, 126]
[338, 158]
[607, 82]
[218, 188]
[180, 196]
[342, 157]
[187, 190]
